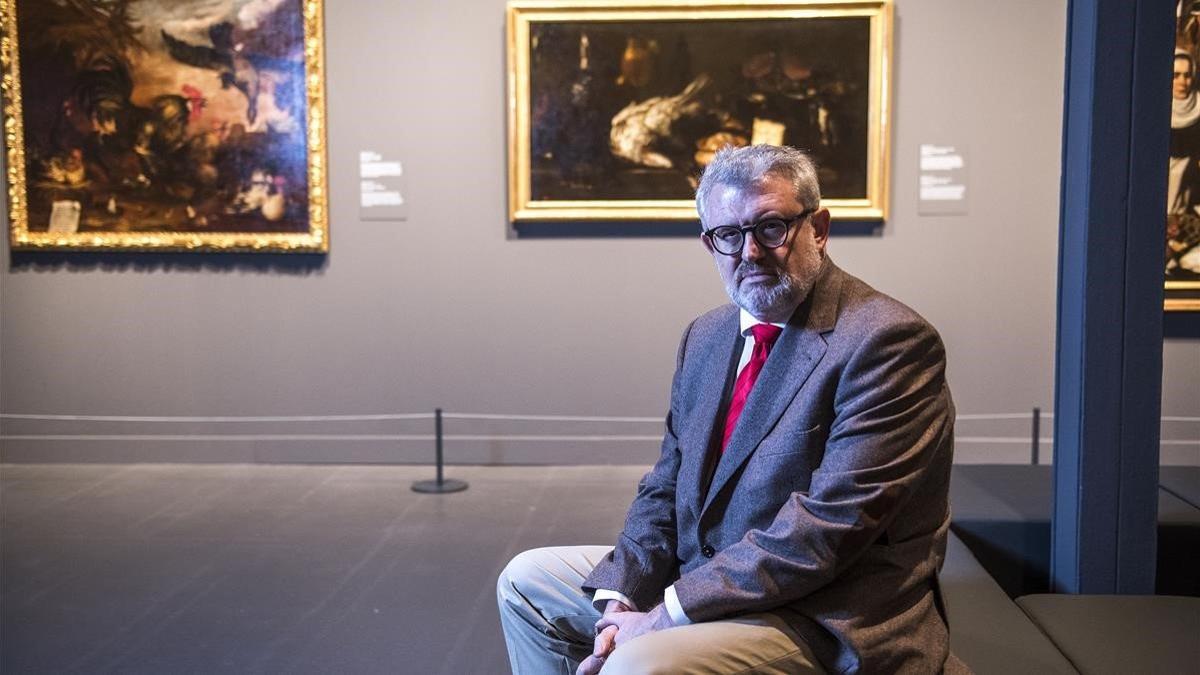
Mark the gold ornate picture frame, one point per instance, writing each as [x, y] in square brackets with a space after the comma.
[614, 108]
[165, 125]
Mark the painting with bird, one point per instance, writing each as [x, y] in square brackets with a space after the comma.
[180, 124]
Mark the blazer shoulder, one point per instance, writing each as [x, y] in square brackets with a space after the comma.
[713, 322]
[865, 310]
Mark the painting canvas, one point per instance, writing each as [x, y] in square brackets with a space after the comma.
[193, 125]
[1182, 254]
[615, 109]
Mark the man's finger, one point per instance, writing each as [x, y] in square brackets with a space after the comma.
[605, 642]
[617, 619]
[590, 666]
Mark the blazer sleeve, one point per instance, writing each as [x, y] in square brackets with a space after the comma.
[644, 559]
[892, 417]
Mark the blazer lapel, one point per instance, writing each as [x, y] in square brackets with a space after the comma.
[716, 361]
[791, 361]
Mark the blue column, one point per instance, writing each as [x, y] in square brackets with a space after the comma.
[1109, 352]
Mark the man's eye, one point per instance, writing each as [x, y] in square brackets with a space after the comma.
[727, 234]
[771, 228]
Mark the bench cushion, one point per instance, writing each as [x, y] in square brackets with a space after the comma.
[1120, 633]
[988, 632]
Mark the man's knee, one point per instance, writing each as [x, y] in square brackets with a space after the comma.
[524, 568]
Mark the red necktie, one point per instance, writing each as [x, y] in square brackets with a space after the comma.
[764, 338]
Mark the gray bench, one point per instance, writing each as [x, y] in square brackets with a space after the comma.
[999, 548]
[1043, 633]
[988, 632]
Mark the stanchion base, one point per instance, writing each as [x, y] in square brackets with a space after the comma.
[432, 486]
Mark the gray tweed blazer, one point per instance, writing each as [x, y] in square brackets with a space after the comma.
[829, 505]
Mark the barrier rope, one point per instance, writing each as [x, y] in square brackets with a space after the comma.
[217, 418]
[586, 438]
[448, 415]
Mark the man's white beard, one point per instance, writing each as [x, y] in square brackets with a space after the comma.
[768, 302]
[775, 301]
[763, 300]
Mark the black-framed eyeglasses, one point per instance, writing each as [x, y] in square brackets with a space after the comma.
[768, 232]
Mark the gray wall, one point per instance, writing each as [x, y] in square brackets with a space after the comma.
[404, 317]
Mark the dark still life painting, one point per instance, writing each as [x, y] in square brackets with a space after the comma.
[616, 111]
[193, 125]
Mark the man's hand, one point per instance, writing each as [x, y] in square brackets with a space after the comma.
[632, 624]
[606, 640]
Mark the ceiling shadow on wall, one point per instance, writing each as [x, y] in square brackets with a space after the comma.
[81, 261]
[660, 229]
[1181, 325]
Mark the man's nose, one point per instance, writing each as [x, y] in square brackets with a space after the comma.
[751, 249]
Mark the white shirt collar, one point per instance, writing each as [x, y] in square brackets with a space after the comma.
[747, 321]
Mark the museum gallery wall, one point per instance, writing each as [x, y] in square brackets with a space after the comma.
[454, 306]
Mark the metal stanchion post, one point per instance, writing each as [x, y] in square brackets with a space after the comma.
[1037, 433]
[440, 484]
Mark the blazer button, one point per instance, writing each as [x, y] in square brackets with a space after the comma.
[708, 551]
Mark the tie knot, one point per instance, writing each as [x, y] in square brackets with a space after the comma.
[765, 333]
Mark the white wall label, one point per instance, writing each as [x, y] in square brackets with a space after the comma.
[943, 180]
[381, 196]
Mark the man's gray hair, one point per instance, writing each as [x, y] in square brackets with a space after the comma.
[744, 168]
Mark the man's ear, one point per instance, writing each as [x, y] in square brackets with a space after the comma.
[707, 244]
[820, 222]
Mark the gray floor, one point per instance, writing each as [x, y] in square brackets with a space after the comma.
[239, 568]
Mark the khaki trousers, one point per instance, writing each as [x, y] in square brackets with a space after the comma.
[549, 626]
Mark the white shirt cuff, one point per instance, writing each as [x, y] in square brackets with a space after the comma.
[603, 595]
[674, 609]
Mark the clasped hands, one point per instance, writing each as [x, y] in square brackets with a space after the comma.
[620, 624]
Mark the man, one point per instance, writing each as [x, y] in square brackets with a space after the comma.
[797, 516]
